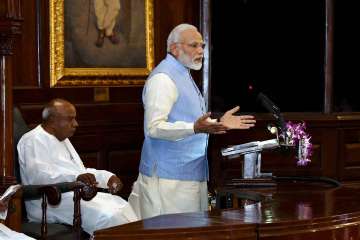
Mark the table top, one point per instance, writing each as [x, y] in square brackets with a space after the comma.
[287, 207]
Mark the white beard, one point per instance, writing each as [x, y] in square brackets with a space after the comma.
[188, 62]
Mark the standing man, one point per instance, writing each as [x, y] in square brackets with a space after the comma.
[174, 168]
[47, 156]
[106, 12]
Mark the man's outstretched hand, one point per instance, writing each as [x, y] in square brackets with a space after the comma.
[207, 125]
[114, 184]
[237, 122]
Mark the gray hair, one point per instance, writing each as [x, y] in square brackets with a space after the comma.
[50, 108]
[174, 35]
[46, 113]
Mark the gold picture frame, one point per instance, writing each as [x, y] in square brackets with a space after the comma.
[129, 60]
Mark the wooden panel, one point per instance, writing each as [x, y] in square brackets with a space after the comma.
[323, 230]
[349, 154]
[26, 74]
[90, 159]
[352, 155]
[125, 162]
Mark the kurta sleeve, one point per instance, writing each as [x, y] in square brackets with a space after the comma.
[160, 95]
[102, 176]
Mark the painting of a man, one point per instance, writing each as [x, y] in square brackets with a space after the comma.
[106, 12]
[104, 34]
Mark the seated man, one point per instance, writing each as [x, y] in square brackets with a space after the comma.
[46, 156]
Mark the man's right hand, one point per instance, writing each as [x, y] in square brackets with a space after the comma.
[206, 125]
[87, 178]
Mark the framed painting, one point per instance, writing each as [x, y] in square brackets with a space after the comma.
[100, 42]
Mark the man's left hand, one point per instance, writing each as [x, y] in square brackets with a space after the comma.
[237, 122]
[114, 184]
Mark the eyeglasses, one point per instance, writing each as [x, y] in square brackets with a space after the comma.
[193, 45]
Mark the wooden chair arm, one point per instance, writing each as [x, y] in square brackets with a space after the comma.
[33, 192]
[52, 193]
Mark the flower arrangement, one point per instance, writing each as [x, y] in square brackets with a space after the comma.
[297, 136]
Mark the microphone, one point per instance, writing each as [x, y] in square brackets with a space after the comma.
[272, 108]
[268, 104]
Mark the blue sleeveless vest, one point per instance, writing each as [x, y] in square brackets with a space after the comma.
[184, 159]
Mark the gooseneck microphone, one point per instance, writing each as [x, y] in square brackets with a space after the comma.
[273, 109]
[268, 104]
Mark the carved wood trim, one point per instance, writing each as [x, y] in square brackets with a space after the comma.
[7, 46]
[10, 9]
[10, 29]
[10, 25]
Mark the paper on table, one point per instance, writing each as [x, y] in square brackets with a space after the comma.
[10, 191]
[6, 196]
[3, 215]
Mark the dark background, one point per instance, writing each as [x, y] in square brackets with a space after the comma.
[277, 47]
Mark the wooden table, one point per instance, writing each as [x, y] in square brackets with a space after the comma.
[289, 211]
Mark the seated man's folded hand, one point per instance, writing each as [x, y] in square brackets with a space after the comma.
[87, 178]
[114, 184]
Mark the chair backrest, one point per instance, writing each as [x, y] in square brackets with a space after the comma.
[19, 128]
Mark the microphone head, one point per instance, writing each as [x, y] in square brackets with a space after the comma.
[268, 104]
[272, 108]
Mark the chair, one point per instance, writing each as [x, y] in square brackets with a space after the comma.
[19, 128]
[49, 193]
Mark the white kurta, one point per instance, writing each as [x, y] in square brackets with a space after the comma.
[44, 160]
